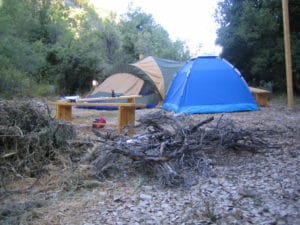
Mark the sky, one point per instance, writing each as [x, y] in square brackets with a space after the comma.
[190, 21]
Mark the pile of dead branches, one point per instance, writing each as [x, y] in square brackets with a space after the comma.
[167, 144]
[29, 138]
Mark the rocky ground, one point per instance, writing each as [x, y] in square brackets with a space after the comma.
[240, 187]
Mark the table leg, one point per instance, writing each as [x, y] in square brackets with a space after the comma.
[64, 112]
[261, 99]
[126, 116]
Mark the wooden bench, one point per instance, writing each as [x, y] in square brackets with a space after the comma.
[126, 110]
[260, 95]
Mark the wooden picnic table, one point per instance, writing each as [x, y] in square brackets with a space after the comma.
[126, 110]
[260, 95]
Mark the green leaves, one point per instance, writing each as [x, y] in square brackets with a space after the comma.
[66, 44]
[252, 39]
[141, 35]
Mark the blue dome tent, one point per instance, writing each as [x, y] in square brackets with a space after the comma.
[208, 84]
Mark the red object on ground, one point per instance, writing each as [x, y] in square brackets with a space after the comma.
[99, 122]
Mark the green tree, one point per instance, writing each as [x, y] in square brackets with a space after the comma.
[76, 63]
[141, 35]
[65, 44]
[252, 39]
[20, 56]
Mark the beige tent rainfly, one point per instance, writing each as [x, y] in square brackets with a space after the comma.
[130, 84]
[149, 77]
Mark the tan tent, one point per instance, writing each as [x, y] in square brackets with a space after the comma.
[150, 66]
[130, 85]
[149, 77]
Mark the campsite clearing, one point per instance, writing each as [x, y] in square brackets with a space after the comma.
[237, 187]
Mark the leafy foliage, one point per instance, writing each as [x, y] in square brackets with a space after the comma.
[142, 36]
[60, 46]
[251, 34]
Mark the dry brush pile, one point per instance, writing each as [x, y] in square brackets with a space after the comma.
[29, 139]
[170, 147]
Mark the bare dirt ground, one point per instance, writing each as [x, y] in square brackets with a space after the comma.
[241, 187]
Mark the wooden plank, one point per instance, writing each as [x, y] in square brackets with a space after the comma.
[97, 104]
[260, 95]
[131, 100]
[261, 99]
[64, 112]
[258, 90]
[128, 97]
[126, 116]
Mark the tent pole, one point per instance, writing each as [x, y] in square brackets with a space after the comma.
[287, 50]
